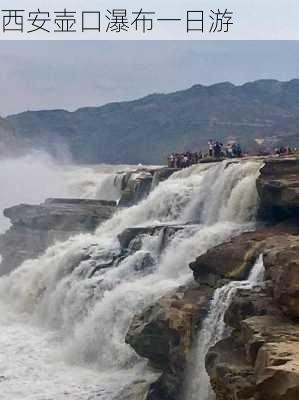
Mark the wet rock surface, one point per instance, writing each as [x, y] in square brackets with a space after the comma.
[259, 361]
[164, 334]
[62, 214]
[36, 227]
[282, 270]
[132, 234]
[136, 185]
[247, 303]
[233, 260]
[278, 187]
[231, 375]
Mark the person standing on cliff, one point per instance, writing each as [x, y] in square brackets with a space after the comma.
[217, 149]
[211, 146]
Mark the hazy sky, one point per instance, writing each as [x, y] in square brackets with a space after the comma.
[69, 75]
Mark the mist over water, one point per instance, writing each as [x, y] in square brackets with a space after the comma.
[33, 177]
[66, 309]
[213, 330]
[28, 179]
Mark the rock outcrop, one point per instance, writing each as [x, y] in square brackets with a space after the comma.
[69, 215]
[136, 185]
[233, 260]
[162, 174]
[164, 334]
[282, 271]
[260, 363]
[278, 187]
[260, 360]
[130, 235]
[35, 227]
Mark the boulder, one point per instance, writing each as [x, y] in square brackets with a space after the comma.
[228, 260]
[130, 234]
[136, 390]
[278, 187]
[164, 334]
[281, 261]
[259, 361]
[273, 345]
[247, 303]
[260, 358]
[136, 186]
[277, 369]
[231, 375]
[228, 362]
[234, 259]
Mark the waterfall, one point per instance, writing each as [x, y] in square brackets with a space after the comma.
[86, 290]
[214, 329]
[33, 177]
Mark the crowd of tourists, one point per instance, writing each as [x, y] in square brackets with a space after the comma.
[283, 151]
[183, 160]
[215, 150]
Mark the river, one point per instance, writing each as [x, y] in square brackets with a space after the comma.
[62, 331]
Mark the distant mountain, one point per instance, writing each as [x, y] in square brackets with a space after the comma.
[148, 129]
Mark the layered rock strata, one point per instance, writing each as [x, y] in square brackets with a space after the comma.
[259, 360]
[36, 227]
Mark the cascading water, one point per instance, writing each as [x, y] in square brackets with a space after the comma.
[74, 304]
[34, 177]
[214, 329]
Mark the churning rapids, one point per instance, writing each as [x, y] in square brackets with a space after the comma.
[63, 320]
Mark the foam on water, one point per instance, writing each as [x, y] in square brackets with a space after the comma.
[89, 312]
[36, 176]
[213, 330]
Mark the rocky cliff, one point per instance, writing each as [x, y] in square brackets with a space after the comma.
[36, 227]
[259, 360]
[136, 185]
[278, 188]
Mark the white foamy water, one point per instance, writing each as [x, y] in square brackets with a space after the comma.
[77, 315]
[36, 176]
[32, 367]
[214, 329]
